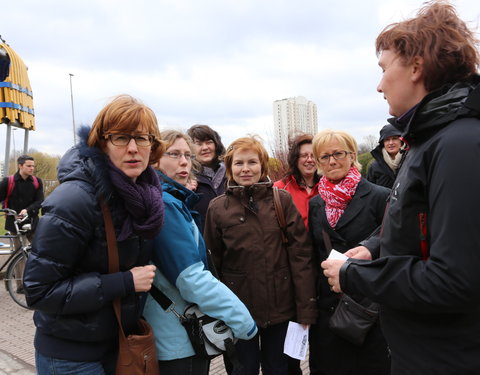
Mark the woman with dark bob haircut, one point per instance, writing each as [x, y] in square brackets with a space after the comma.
[211, 179]
[66, 279]
[302, 178]
[274, 279]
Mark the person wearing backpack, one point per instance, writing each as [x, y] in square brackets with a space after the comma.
[22, 192]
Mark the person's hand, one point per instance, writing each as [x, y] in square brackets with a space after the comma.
[23, 213]
[359, 252]
[192, 184]
[331, 270]
[305, 326]
[143, 277]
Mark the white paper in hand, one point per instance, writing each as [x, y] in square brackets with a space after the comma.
[296, 341]
[334, 254]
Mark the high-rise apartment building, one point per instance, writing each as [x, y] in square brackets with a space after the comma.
[290, 116]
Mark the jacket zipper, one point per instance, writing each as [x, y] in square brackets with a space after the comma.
[422, 219]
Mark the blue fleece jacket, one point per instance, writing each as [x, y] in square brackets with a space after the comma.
[182, 275]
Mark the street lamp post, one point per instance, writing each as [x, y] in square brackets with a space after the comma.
[73, 112]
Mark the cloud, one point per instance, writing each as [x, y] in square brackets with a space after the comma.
[222, 63]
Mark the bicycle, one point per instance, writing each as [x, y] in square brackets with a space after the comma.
[18, 251]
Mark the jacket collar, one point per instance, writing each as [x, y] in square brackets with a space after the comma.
[89, 164]
[437, 109]
[257, 190]
[177, 190]
[351, 212]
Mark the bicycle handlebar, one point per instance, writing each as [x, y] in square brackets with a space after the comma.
[18, 219]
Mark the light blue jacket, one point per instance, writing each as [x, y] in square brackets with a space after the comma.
[180, 257]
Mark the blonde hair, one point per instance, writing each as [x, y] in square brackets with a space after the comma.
[170, 136]
[345, 139]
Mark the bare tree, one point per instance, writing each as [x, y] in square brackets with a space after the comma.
[368, 144]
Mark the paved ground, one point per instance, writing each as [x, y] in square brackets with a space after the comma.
[16, 336]
[16, 340]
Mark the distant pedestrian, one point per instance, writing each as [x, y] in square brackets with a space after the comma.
[67, 281]
[211, 179]
[22, 192]
[387, 157]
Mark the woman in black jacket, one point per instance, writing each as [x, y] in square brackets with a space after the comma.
[347, 210]
[388, 157]
[66, 277]
[210, 178]
[426, 277]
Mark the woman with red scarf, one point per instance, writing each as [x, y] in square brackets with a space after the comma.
[347, 210]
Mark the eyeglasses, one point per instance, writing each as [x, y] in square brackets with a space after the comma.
[338, 155]
[306, 156]
[178, 155]
[122, 140]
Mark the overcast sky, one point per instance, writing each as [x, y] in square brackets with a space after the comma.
[221, 63]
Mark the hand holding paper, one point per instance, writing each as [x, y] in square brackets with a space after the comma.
[296, 341]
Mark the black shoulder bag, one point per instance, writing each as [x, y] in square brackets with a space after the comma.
[351, 320]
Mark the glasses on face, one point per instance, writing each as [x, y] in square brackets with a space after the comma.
[122, 140]
[178, 155]
[306, 156]
[338, 155]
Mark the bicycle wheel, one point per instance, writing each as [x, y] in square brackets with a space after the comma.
[14, 279]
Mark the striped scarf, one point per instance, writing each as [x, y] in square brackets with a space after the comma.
[337, 196]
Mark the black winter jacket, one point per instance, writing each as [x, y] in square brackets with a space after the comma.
[207, 190]
[427, 277]
[379, 172]
[66, 276]
[24, 195]
[361, 218]
[332, 354]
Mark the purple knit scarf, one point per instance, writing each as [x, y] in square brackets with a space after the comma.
[142, 211]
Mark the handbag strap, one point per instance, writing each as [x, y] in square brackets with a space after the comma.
[280, 215]
[166, 303]
[113, 262]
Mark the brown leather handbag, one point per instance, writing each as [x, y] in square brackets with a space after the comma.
[136, 352]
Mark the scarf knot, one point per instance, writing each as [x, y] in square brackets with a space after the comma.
[337, 196]
[142, 210]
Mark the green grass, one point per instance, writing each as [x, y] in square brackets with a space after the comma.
[2, 223]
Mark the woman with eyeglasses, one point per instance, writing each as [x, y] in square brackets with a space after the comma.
[302, 178]
[67, 281]
[301, 182]
[182, 268]
[210, 177]
[347, 210]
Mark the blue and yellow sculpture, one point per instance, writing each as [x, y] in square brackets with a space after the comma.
[16, 99]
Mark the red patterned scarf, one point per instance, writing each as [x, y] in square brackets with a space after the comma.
[337, 196]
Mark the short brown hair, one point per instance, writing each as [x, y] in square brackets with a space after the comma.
[126, 114]
[345, 139]
[440, 37]
[205, 133]
[246, 144]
